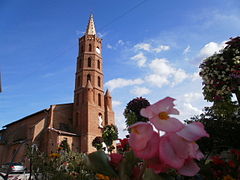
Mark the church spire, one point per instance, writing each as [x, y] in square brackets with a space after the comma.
[91, 27]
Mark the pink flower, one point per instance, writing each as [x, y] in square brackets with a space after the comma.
[115, 159]
[158, 114]
[143, 140]
[151, 148]
[157, 165]
[141, 133]
[178, 149]
[193, 131]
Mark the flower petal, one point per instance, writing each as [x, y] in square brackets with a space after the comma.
[190, 168]
[194, 151]
[163, 105]
[179, 145]
[146, 112]
[193, 131]
[142, 134]
[151, 150]
[170, 125]
[168, 155]
[173, 111]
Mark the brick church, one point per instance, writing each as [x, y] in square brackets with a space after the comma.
[78, 122]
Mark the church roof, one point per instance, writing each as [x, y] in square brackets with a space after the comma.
[25, 117]
[91, 27]
[36, 113]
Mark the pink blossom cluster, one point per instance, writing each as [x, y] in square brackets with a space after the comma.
[176, 148]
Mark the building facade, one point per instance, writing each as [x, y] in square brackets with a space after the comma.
[78, 122]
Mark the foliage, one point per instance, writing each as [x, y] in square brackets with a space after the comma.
[221, 75]
[59, 166]
[225, 165]
[64, 145]
[143, 160]
[97, 143]
[110, 133]
[132, 111]
[223, 129]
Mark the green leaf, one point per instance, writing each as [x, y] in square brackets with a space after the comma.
[127, 165]
[99, 162]
[150, 175]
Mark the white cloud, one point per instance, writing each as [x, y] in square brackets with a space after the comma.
[109, 46]
[140, 91]
[188, 110]
[119, 83]
[148, 47]
[101, 35]
[140, 59]
[191, 97]
[157, 80]
[161, 66]
[161, 48]
[165, 73]
[179, 76]
[143, 46]
[121, 42]
[116, 103]
[186, 50]
[195, 76]
[120, 121]
[191, 109]
[209, 49]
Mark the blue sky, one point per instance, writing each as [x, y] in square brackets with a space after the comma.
[151, 48]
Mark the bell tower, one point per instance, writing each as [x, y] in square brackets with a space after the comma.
[92, 108]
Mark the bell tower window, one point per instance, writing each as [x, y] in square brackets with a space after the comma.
[88, 77]
[90, 48]
[99, 81]
[98, 64]
[89, 62]
[99, 99]
[82, 49]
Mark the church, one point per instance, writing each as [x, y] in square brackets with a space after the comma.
[79, 122]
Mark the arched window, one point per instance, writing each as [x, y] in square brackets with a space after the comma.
[88, 77]
[77, 114]
[78, 81]
[77, 100]
[99, 99]
[82, 49]
[90, 48]
[80, 63]
[99, 81]
[98, 64]
[89, 62]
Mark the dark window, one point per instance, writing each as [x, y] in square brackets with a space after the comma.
[78, 81]
[89, 62]
[76, 118]
[90, 47]
[88, 77]
[99, 81]
[77, 99]
[99, 100]
[98, 64]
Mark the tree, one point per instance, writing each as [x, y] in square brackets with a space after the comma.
[132, 111]
[223, 130]
[221, 74]
[110, 133]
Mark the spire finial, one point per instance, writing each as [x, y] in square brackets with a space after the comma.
[91, 27]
